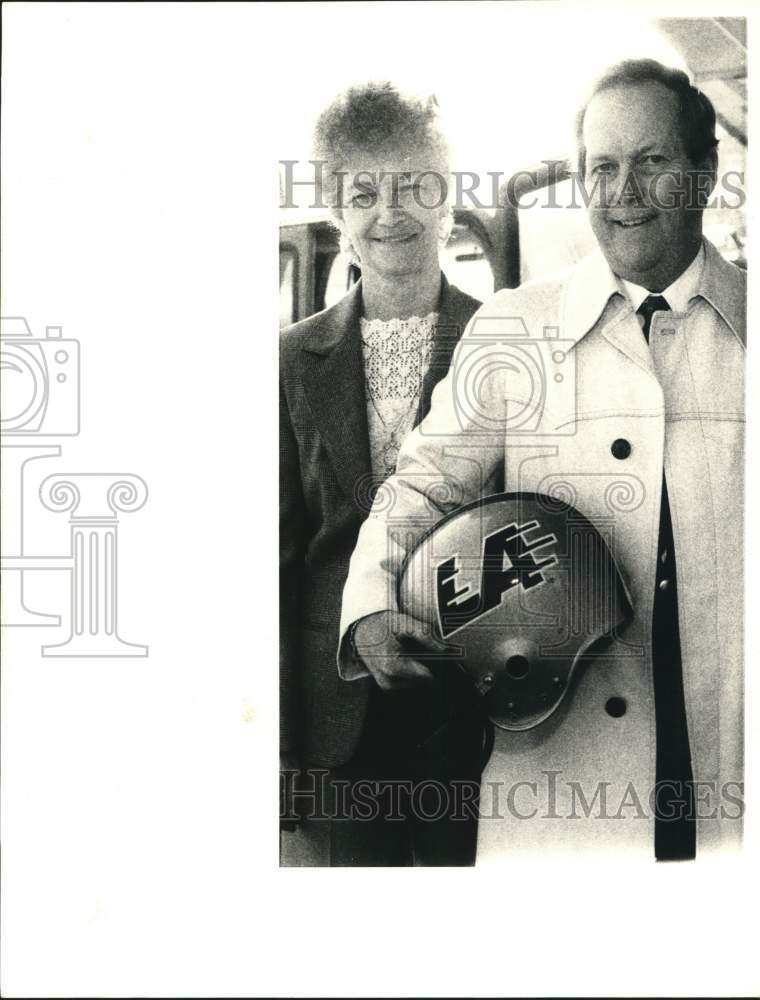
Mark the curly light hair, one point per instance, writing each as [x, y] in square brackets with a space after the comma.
[377, 118]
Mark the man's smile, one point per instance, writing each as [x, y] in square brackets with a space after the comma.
[395, 238]
[634, 223]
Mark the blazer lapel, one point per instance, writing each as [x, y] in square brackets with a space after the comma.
[333, 379]
[454, 313]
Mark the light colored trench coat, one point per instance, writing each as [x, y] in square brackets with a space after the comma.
[584, 779]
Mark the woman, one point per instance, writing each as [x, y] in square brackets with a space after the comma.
[355, 379]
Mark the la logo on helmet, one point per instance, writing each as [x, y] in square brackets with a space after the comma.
[508, 560]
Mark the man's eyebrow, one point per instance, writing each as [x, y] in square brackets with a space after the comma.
[648, 147]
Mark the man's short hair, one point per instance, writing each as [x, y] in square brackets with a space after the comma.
[696, 111]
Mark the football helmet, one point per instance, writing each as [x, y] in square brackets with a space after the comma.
[520, 586]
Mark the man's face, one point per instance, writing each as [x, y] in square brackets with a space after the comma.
[644, 206]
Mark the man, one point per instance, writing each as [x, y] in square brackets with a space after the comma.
[636, 413]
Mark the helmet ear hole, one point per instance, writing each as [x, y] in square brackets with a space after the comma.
[517, 667]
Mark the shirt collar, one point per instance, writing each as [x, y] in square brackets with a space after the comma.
[678, 294]
[593, 292]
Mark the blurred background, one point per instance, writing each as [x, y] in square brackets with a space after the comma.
[508, 81]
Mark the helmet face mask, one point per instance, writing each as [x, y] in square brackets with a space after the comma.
[521, 586]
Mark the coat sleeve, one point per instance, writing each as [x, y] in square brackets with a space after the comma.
[292, 550]
[450, 459]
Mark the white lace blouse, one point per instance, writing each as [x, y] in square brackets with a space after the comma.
[396, 357]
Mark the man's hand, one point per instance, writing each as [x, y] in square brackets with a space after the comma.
[385, 640]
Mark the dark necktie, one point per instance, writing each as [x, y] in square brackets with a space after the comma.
[647, 309]
[675, 827]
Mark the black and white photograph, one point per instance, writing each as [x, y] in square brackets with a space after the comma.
[378, 481]
[512, 479]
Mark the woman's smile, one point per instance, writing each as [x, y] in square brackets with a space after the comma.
[391, 238]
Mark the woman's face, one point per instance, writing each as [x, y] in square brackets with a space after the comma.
[393, 204]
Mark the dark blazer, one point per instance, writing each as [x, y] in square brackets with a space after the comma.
[325, 495]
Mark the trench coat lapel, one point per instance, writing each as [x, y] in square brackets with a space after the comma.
[623, 331]
[723, 286]
[333, 379]
[594, 297]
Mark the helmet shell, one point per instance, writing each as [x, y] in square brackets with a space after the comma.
[520, 586]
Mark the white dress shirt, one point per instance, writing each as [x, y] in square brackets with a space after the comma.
[679, 293]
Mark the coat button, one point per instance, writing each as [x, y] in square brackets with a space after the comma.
[621, 448]
[616, 707]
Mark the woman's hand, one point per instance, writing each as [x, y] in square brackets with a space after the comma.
[386, 642]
